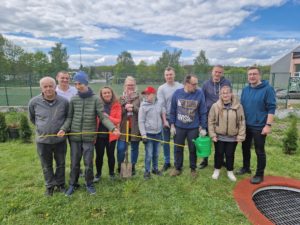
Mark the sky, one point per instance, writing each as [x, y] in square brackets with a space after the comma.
[231, 32]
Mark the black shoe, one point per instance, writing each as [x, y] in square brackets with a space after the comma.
[61, 188]
[147, 175]
[242, 171]
[70, 191]
[49, 191]
[257, 179]
[156, 172]
[203, 164]
[133, 170]
[166, 167]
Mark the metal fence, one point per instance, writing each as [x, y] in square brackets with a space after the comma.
[17, 91]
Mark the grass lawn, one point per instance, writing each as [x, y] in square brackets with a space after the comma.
[160, 200]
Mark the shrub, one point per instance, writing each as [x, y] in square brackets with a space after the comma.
[290, 139]
[25, 130]
[3, 128]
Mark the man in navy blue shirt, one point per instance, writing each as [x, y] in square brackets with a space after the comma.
[188, 118]
[259, 103]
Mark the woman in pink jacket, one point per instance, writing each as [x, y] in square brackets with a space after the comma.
[112, 109]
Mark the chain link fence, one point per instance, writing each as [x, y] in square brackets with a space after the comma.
[18, 90]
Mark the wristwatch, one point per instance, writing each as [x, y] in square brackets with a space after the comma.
[268, 124]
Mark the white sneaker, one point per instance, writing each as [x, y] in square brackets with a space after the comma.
[216, 174]
[231, 176]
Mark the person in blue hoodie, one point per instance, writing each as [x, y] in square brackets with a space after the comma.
[188, 119]
[211, 90]
[259, 103]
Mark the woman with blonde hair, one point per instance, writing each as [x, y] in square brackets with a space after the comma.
[226, 127]
[130, 102]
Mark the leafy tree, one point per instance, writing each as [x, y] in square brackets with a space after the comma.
[170, 59]
[59, 58]
[291, 137]
[201, 63]
[125, 65]
[142, 72]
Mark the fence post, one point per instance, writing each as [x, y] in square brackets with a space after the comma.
[30, 85]
[6, 95]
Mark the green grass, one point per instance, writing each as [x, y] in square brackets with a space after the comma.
[160, 200]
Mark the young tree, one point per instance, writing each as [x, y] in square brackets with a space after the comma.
[25, 130]
[3, 128]
[59, 58]
[201, 63]
[291, 137]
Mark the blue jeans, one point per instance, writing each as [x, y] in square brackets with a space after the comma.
[152, 152]
[167, 138]
[121, 148]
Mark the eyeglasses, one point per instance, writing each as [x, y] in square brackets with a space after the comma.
[193, 84]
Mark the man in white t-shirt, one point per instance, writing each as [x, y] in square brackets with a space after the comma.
[63, 88]
[164, 96]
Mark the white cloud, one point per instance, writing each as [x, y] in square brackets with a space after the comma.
[88, 49]
[96, 20]
[240, 52]
[30, 44]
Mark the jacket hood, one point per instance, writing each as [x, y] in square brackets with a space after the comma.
[234, 102]
[263, 84]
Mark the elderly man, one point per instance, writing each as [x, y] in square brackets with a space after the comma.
[211, 89]
[48, 112]
[259, 103]
[187, 118]
[164, 95]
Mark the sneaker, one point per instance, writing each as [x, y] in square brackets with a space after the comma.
[216, 174]
[147, 175]
[175, 173]
[49, 191]
[70, 191]
[242, 171]
[61, 188]
[256, 179]
[156, 172]
[91, 189]
[231, 176]
[193, 173]
[166, 167]
[97, 178]
[203, 164]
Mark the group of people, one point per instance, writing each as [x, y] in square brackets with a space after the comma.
[62, 113]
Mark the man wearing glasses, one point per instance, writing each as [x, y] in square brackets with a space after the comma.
[188, 118]
[259, 103]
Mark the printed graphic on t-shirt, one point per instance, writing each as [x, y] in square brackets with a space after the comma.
[186, 110]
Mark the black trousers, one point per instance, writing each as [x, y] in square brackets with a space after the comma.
[48, 152]
[181, 135]
[227, 148]
[259, 144]
[100, 146]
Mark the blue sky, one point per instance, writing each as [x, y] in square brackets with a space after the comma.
[231, 32]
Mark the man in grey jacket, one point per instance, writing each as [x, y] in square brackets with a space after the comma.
[48, 112]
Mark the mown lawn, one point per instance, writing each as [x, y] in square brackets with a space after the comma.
[160, 200]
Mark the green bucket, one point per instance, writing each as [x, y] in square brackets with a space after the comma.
[203, 146]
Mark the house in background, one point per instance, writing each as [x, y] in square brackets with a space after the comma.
[284, 68]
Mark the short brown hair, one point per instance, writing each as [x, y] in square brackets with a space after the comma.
[169, 68]
[254, 68]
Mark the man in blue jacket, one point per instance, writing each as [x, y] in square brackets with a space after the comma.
[259, 103]
[211, 90]
[187, 118]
